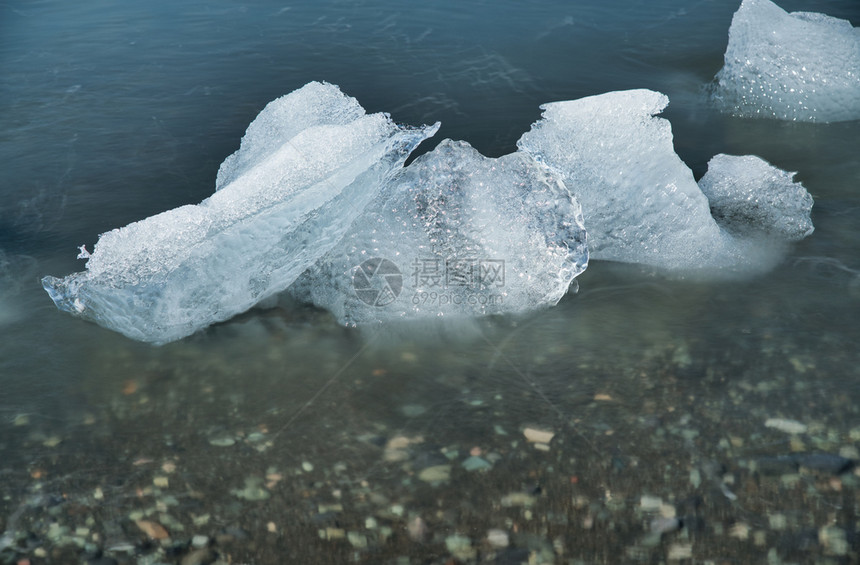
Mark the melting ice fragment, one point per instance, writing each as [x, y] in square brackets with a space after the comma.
[751, 199]
[800, 66]
[641, 203]
[455, 234]
[308, 165]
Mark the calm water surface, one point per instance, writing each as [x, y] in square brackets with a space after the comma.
[112, 112]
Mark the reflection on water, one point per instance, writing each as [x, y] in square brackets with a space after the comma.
[356, 442]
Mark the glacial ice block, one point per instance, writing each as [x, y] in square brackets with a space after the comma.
[641, 203]
[751, 199]
[800, 66]
[454, 234]
[309, 164]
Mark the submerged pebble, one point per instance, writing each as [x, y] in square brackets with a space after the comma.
[474, 463]
[825, 463]
[199, 541]
[518, 499]
[202, 556]
[535, 435]
[222, 441]
[498, 538]
[786, 425]
[253, 490]
[662, 525]
[460, 546]
[435, 474]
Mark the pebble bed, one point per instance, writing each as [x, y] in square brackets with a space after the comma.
[619, 440]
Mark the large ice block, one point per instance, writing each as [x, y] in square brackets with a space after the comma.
[641, 203]
[317, 187]
[309, 164]
[455, 234]
[800, 66]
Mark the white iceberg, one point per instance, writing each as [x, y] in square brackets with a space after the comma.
[309, 164]
[800, 66]
[641, 203]
[455, 234]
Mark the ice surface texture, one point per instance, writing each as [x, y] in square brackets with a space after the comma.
[801, 66]
[641, 203]
[309, 164]
[463, 235]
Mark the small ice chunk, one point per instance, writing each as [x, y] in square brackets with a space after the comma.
[308, 166]
[750, 197]
[801, 66]
[455, 234]
[641, 203]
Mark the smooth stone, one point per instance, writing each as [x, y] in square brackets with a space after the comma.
[225, 441]
[202, 556]
[412, 410]
[199, 541]
[435, 474]
[475, 463]
[786, 425]
[253, 490]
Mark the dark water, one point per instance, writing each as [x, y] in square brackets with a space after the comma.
[111, 112]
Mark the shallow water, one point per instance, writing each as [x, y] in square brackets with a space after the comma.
[111, 113]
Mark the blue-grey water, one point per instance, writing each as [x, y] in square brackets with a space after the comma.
[114, 111]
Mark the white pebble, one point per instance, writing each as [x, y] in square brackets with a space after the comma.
[535, 435]
[650, 503]
[199, 541]
[785, 425]
[498, 538]
[663, 525]
[679, 551]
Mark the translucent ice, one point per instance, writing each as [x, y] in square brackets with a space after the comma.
[751, 199]
[309, 164]
[641, 203]
[455, 234]
[317, 187]
[801, 66]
